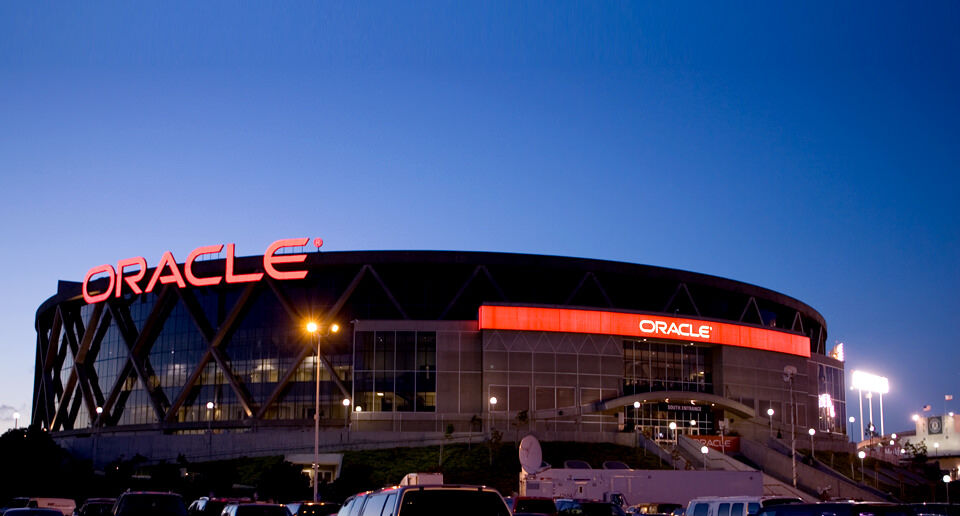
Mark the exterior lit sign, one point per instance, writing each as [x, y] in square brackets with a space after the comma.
[167, 271]
[528, 318]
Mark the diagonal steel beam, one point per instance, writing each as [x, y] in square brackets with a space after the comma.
[137, 341]
[387, 291]
[80, 359]
[213, 341]
[460, 292]
[306, 350]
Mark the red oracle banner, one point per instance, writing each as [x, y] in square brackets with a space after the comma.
[728, 444]
[528, 318]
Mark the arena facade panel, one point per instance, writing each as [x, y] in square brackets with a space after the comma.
[217, 346]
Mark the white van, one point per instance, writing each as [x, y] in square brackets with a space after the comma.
[734, 505]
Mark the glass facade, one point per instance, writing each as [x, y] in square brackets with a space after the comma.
[831, 404]
[665, 366]
[396, 371]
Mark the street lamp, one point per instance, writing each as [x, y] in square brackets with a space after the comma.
[936, 449]
[493, 406]
[16, 420]
[946, 485]
[852, 420]
[812, 432]
[915, 417]
[704, 450]
[314, 329]
[96, 435]
[861, 454]
[770, 418]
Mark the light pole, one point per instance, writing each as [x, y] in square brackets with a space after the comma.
[314, 329]
[16, 420]
[788, 373]
[210, 406]
[852, 420]
[722, 424]
[493, 406]
[704, 450]
[770, 417]
[812, 432]
[946, 485]
[861, 454]
[673, 426]
[636, 427]
[936, 449]
[96, 436]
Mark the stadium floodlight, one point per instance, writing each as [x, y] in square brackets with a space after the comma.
[870, 382]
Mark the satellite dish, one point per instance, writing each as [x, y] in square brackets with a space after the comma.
[531, 455]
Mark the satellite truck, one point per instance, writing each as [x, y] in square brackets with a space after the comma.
[628, 487]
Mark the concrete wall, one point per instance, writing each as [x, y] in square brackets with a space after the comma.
[809, 479]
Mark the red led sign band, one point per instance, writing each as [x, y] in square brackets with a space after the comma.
[528, 318]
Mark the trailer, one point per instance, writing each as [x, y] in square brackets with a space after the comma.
[629, 487]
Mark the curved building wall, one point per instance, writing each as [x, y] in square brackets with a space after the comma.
[411, 354]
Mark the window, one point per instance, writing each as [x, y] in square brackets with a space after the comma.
[395, 371]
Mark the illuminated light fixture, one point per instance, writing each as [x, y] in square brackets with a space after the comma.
[380, 394]
[915, 417]
[346, 402]
[870, 382]
[210, 405]
[825, 402]
[312, 327]
[358, 409]
[837, 352]
[893, 436]
[693, 422]
[334, 328]
[861, 454]
[672, 425]
[636, 404]
[770, 412]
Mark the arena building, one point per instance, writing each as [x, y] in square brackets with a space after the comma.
[211, 357]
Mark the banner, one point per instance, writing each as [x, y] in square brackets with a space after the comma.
[730, 444]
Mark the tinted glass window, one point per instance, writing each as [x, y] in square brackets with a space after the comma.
[388, 507]
[436, 502]
[347, 507]
[541, 506]
[754, 508]
[723, 509]
[700, 509]
[736, 509]
[262, 510]
[374, 505]
[357, 504]
[151, 505]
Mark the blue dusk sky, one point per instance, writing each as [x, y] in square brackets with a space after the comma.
[807, 147]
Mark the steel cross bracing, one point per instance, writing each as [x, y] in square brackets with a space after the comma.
[57, 405]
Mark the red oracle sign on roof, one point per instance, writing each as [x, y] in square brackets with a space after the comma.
[528, 318]
[167, 271]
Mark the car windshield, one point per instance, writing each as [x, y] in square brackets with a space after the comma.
[541, 506]
[213, 508]
[318, 510]
[262, 510]
[443, 502]
[151, 505]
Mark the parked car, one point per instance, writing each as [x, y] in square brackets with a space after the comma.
[32, 511]
[149, 503]
[66, 506]
[838, 509]
[570, 507]
[425, 500]
[533, 505]
[206, 506]
[96, 507]
[312, 508]
[255, 509]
